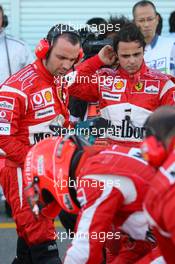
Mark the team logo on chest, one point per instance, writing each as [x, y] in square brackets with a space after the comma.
[146, 86]
[139, 86]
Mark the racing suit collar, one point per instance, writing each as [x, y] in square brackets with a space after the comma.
[154, 41]
[43, 72]
[136, 75]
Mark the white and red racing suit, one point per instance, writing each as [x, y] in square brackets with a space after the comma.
[29, 104]
[160, 206]
[125, 100]
[111, 186]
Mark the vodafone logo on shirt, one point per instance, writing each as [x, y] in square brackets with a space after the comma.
[5, 116]
[42, 98]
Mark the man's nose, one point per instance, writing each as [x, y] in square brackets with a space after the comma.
[67, 64]
[132, 59]
[146, 23]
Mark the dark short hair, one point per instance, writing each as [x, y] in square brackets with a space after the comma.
[172, 22]
[1, 10]
[160, 24]
[161, 123]
[143, 4]
[97, 21]
[65, 31]
[129, 33]
[117, 22]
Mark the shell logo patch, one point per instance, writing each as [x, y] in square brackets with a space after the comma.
[48, 96]
[42, 98]
[119, 85]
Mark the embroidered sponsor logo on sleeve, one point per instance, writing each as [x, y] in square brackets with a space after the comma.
[7, 102]
[44, 112]
[5, 129]
[42, 98]
[81, 196]
[110, 96]
[5, 116]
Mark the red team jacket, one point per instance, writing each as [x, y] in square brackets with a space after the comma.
[126, 100]
[160, 206]
[111, 187]
[29, 103]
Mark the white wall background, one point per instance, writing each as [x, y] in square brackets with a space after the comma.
[31, 19]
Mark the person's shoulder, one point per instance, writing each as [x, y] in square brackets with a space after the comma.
[14, 40]
[156, 74]
[24, 80]
[166, 40]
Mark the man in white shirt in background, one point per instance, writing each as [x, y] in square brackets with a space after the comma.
[159, 51]
[15, 54]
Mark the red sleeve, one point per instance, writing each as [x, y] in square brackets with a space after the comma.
[168, 211]
[13, 104]
[167, 205]
[85, 80]
[167, 94]
[93, 224]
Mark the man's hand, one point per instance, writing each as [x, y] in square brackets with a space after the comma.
[32, 195]
[107, 55]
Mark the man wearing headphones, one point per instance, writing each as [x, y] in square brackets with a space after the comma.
[15, 54]
[33, 102]
[128, 95]
[159, 50]
[158, 149]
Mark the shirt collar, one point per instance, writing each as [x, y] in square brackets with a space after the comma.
[154, 41]
[43, 72]
[136, 75]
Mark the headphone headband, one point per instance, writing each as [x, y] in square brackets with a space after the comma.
[60, 29]
[44, 47]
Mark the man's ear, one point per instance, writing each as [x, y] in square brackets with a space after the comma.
[80, 56]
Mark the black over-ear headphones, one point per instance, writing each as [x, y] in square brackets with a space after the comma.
[44, 46]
